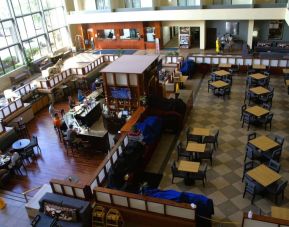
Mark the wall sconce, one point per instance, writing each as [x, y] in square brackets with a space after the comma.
[95, 35]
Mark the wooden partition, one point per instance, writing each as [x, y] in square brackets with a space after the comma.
[12, 107]
[263, 221]
[146, 204]
[66, 74]
[238, 60]
[24, 90]
[111, 197]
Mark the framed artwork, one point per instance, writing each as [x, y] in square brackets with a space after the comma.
[275, 29]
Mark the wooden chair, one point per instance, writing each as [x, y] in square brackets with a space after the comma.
[98, 216]
[114, 218]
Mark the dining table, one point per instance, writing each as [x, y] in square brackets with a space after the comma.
[20, 144]
[264, 143]
[189, 168]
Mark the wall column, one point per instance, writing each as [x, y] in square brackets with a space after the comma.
[250, 33]
[202, 35]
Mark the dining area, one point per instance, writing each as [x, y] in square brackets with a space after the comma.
[200, 145]
[220, 83]
[262, 166]
[15, 159]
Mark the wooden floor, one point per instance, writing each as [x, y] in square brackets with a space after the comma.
[53, 162]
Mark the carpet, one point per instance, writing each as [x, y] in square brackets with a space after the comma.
[115, 51]
[153, 179]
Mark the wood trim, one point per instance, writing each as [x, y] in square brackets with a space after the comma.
[142, 219]
[141, 197]
[266, 219]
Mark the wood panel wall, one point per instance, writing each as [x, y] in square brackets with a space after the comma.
[118, 43]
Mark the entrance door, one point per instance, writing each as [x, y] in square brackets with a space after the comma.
[211, 38]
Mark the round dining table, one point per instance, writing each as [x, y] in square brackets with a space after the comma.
[20, 144]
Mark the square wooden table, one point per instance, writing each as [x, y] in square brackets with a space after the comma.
[258, 76]
[264, 143]
[286, 71]
[225, 65]
[221, 73]
[280, 212]
[201, 131]
[196, 147]
[219, 84]
[264, 175]
[257, 111]
[259, 90]
[188, 166]
[259, 66]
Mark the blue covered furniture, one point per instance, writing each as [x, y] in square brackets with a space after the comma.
[72, 212]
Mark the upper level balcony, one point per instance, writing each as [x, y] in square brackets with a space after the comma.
[144, 5]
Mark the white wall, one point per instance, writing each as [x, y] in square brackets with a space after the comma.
[166, 35]
[179, 15]
[146, 3]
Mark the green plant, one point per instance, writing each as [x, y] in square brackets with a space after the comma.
[29, 55]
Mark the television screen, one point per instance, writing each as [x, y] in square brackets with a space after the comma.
[121, 93]
[232, 28]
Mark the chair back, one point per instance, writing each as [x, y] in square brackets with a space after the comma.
[274, 165]
[269, 117]
[267, 106]
[217, 135]
[18, 163]
[243, 108]
[281, 186]
[252, 135]
[279, 139]
[250, 186]
[277, 153]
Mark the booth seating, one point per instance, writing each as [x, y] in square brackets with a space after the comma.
[7, 139]
[63, 210]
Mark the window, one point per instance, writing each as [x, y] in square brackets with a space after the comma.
[129, 34]
[26, 16]
[133, 4]
[102, 4]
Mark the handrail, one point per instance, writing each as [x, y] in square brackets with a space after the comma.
[28, 191]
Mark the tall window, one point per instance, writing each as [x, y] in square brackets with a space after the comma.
[102, 4]
[133, 3]
[30, 28]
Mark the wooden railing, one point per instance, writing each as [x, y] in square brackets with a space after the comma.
[144, 203]
[11, 108]
[238, 60]
[119, 198]
[61, 77]
[265, 221]
[24, 90]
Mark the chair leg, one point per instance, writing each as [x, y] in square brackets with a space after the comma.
[253, 197]
[244, 192]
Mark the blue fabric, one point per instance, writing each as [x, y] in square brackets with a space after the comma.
[188, 67]
[151, 129]
[205, 206]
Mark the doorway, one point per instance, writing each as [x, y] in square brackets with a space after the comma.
[211, 34]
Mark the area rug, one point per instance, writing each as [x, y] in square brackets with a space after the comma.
[115, 51]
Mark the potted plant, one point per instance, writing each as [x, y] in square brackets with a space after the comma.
[29, 55]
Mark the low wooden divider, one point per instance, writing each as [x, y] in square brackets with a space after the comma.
[264, 221]
[110, 197]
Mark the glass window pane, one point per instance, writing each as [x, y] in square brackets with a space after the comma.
[65, 36]
[16, 7]
[48, 21]
[60, 16]
[16, 56]
[7, 61]
[25, 8]
[34, 51]
[22, 29]
[34, 5]
[9, 31]
[38, 23]
[43, 45]
[54, 19]
[4, 9]
[51, 41]
[29, 26]
[3, 42]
